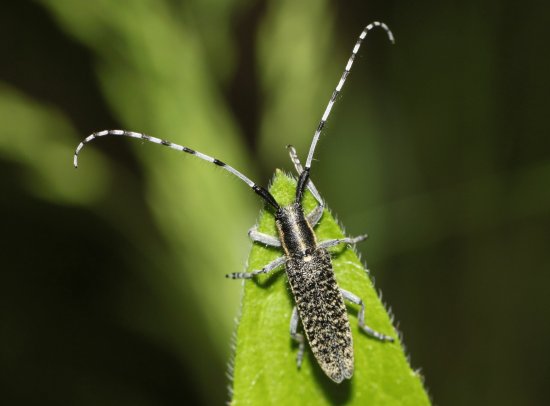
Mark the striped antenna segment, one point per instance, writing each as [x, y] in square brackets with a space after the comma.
[341, 84]
[122, 133]
[298, 166]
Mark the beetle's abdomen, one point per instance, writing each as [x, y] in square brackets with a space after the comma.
[323, 313]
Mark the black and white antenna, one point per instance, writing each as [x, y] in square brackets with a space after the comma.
[304, 175]
[338, 89]
[123, 133]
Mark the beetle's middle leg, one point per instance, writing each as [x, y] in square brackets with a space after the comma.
[268, 268]
[346, 240]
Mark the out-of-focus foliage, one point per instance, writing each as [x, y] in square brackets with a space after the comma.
[40, 141]
[112, 288]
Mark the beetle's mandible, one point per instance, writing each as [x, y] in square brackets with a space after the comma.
[319, 301]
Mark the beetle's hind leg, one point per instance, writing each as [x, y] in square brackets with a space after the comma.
[361, 317]
[299, 338]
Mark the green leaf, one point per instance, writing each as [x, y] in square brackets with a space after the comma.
[264, 365]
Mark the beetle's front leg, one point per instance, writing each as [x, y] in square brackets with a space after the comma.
[263, 238]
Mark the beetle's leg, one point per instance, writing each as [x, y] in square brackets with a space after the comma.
[346, 240]
[299, 338]
[361, 317]
[268, 268]
[315, 215]
[265, 239]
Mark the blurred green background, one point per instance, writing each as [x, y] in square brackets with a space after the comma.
[111, 285]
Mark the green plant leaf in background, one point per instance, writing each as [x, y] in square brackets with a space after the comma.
[264, 365]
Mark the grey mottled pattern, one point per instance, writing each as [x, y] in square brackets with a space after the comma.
[323, 313]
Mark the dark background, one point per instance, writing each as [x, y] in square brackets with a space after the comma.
[111, 284]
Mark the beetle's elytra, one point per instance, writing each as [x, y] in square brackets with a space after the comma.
[319, 303]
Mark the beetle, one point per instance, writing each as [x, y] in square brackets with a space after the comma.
[320, 306]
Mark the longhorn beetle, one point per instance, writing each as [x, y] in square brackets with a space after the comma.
[319, 301]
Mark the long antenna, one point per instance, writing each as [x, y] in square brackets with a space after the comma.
[264, 194]
[341, 84]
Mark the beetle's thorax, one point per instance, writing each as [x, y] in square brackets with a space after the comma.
[295, 232]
